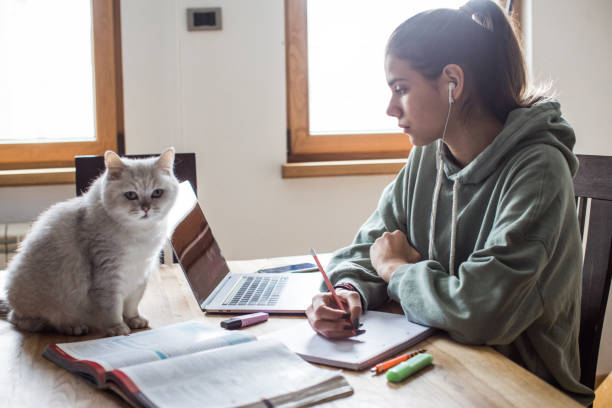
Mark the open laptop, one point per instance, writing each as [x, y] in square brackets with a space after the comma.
[218, 290]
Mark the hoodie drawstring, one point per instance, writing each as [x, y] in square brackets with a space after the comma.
[434, 203]
[434, 212]
[451, 262]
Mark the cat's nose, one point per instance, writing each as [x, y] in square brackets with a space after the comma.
[145, 207]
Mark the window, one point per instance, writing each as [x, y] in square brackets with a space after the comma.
[337, 95]
[61, 86]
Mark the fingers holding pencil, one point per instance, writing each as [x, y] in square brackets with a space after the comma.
[329, 321]
[352, 304]
[341, 325]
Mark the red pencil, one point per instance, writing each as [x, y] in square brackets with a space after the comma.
[326, 279]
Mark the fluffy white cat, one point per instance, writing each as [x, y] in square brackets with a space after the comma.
[85, 262]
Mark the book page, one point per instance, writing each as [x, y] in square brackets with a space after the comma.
[386, 334]
[152, 345]
[239, 375]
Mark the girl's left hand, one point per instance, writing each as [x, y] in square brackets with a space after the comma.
[390, 251]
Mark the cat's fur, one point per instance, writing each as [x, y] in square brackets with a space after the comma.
[85, 262]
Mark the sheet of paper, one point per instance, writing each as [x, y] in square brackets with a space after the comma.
[386, 334]
[159, 344]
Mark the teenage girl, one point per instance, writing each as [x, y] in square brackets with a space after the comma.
[478, 233]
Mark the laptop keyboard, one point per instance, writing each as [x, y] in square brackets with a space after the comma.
[256, 291]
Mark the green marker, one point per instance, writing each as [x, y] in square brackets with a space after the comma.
[409, 367]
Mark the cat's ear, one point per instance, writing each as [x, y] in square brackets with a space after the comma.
[166, 160]
[114, 165]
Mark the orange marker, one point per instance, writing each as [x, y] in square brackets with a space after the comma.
[385, 365]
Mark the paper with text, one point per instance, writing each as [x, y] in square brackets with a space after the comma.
[150, 345]
[255, 371]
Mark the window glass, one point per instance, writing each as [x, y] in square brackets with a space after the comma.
[46, 74]
[347, 89]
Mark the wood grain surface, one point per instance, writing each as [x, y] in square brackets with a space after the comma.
[464, 376]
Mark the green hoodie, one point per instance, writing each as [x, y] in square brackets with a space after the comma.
[517, 254]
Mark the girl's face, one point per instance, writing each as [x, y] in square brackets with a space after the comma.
[420, 105]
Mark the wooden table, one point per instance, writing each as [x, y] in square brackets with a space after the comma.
[465, 376]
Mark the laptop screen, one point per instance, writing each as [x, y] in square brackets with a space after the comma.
[195, 246]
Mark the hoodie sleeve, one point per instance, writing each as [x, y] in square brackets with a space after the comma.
[352, 264]
[497, 292]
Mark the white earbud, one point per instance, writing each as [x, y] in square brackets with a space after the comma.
[451, 86]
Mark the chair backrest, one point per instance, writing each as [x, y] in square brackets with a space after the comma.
[593, 190]
[88, 168]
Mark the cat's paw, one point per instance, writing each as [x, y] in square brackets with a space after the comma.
[137, 322]
[117, 330]
[32, 324]
[74, 329]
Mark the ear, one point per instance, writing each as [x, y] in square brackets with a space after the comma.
[452, 73]
[114, 165]
[166, 160]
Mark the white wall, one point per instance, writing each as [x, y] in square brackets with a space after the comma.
[221, 94]
[571, 47]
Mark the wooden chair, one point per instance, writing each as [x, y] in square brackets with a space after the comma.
[88, 168]
[593, 190]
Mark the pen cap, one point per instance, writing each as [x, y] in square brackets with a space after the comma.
[232, 323]
[409, 367]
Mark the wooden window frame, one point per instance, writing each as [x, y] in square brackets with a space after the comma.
[304, 147]
[330, 155]
[108, 91]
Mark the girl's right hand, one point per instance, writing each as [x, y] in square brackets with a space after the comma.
[329, 321]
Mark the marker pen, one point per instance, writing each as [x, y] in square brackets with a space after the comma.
[409, 367]
[244, 320]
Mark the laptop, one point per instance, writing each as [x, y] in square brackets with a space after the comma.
[215, 287]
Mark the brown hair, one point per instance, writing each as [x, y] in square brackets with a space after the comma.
[482, 41]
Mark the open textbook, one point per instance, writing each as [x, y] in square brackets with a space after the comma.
[192, 364]
[386, 334]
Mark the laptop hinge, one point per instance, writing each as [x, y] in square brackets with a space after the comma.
[214, 293]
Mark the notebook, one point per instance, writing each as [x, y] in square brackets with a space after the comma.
[386, 335]
[215, 288]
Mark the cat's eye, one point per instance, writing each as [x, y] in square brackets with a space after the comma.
[131, 195]
[157, 193]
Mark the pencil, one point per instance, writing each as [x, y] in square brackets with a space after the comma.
[327, 281]
[385, 365]
[356, 330]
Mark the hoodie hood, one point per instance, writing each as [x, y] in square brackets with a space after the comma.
[524, 127]
[541, 123]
